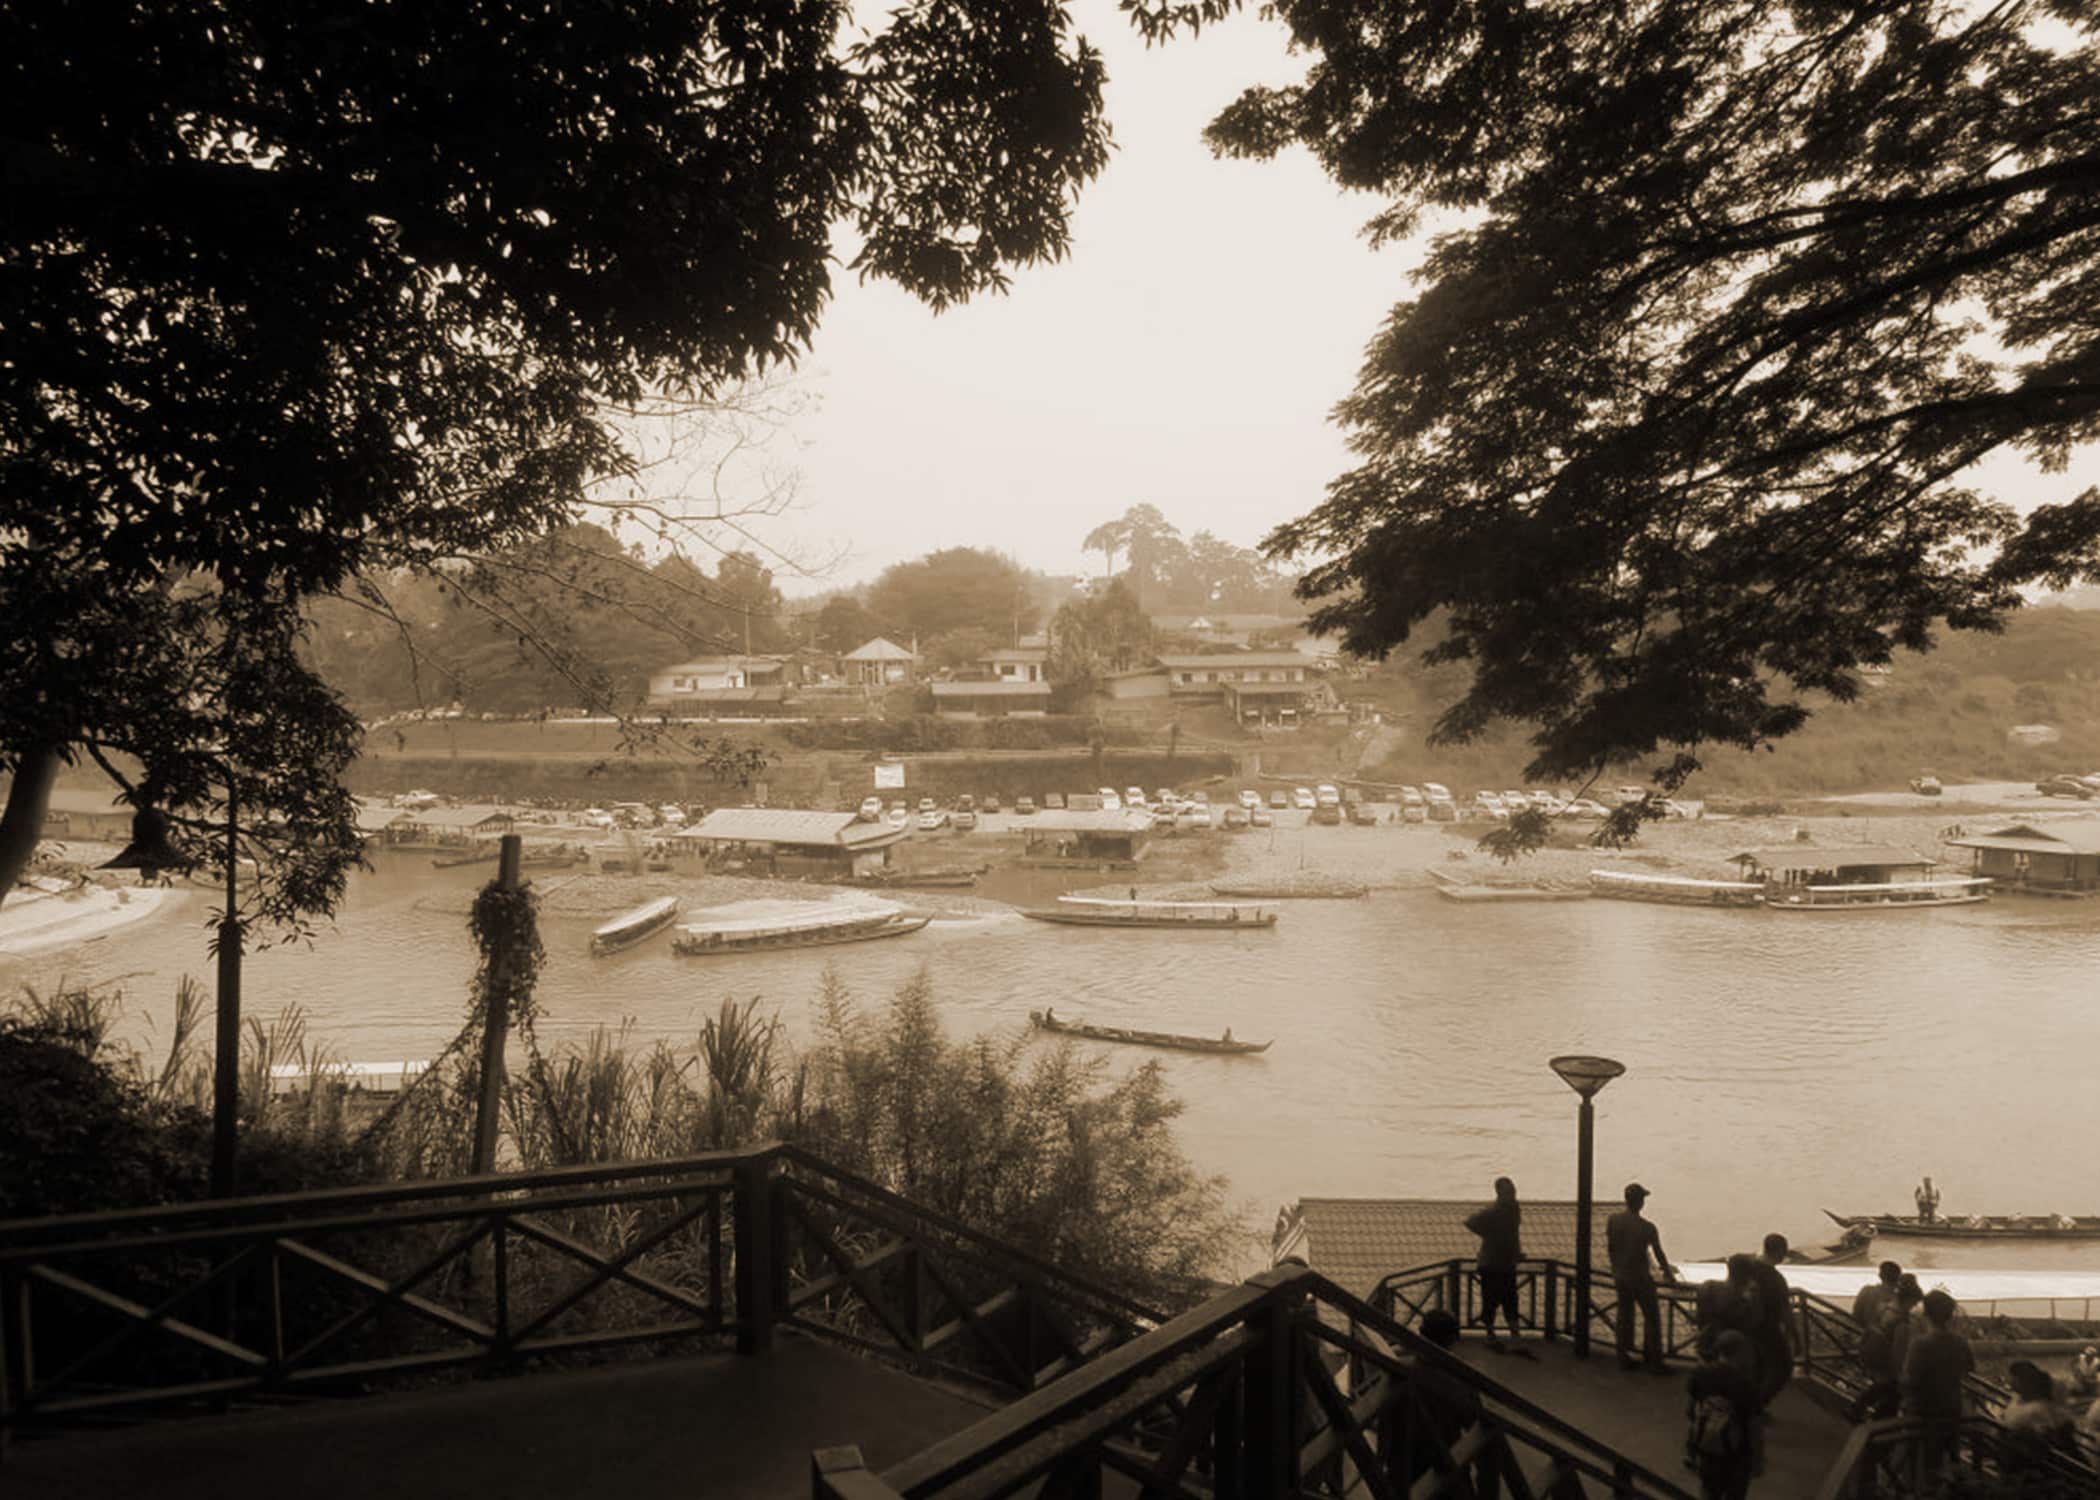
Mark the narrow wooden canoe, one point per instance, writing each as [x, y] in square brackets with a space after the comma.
[1047, 1021]
[1979, 1227]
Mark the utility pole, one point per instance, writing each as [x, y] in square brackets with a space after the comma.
[496, 1025]
[226, 1058]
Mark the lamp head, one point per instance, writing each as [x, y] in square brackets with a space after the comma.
[1586, 1075]
[150, 850]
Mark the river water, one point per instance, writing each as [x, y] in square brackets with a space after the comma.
[1775, 1064]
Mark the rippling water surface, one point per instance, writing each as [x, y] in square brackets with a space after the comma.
[1775, 1064]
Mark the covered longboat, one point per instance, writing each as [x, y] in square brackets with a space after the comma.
[625, 931]
[760, 926]
[1101, 911]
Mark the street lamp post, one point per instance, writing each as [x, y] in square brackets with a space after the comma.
[1585, 1075]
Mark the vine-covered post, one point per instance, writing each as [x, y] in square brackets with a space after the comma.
[504, 926]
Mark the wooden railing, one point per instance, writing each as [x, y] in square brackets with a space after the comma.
[1900, 1458]
[1284, 1386]
[316, 1292]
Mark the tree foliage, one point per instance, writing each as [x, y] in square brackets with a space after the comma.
[1102, 633]
[1680, 427]
[955, 588]
[287, 295]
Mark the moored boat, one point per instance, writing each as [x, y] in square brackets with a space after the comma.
[702, 940]
[465, 857]
[1615, 885]
[1979, 1226]
[625, 931]
[1323, 889]
[1098, 911]
[557, 859]
[1044, 1020]
[1886, 896]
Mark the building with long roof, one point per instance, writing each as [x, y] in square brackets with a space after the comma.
[792, 840]
[999, 698]
[1851, 864]
[2057, 857]
[880, 663]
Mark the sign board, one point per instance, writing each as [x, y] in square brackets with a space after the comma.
[889, 777]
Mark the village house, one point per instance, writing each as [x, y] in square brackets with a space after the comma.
[690, 681]
[996, 699]
[1015, 664]
[880, 663]
[2055, 858]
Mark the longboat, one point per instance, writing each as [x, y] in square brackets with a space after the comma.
[1048, 1021]
[625, 931]
[1979, 1226]
[1099, 911]
[1899, 895]
[1674, 890]
[958, 879]
[557, 860]
[806, 930]
[1461, 890]
[1339, 890]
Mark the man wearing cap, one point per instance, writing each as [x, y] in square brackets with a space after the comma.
[1629, 1240]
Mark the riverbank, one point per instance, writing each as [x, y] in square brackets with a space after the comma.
[39, 921]
[1412, 855]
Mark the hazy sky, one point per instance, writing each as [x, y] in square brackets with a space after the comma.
[1185, 353]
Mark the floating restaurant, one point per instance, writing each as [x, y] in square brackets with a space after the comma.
[2054, 858]
[1854, 878]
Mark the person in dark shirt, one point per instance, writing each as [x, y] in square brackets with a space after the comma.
[1934, 1367]
[1725, 1444]
[1866, 1307]
[1498, 1226]
[1630, 1240]
[1773, 1334]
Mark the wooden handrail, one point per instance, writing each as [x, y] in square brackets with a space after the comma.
[264, 1207]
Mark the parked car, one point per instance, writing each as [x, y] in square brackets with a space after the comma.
[991, 803]
[926, 804]
[1441, 810]
[1926, 786]
[1584, 807]
[1517, 800]
[1489, 805]
[1200, 797]
[1235, 817]
[964, 820]
[1302, 798]
[1194, 815]
[1279, 798]
[1110, 801]
[1626, 794]
[929, 821]
[2064, 786]
[1326, 795]
[1436, 791]
[966, 803]
[1025, 806]
[417, 800]
[597, 817]
[1054, 801]
[1362, 813]
[870, 810]
[1163, 817]
[1133, 796]
[671, 816]
[1261, 817]
[898, 816]
[1250, 799]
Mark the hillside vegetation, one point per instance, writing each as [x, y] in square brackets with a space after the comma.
[1947, 712]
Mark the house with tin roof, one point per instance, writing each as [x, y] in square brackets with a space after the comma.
[997, 698]
[2054, 857]
[791, 840]
[880, 663]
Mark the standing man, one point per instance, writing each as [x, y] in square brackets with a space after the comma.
[1927, 1197]
[1934, 1367]
[1774, 1331]
[1498, 1225]
[1629, 1240]
[1875, 1295]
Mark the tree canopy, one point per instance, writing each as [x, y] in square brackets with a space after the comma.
[1731, 296]
[952, 589]
[286, 294]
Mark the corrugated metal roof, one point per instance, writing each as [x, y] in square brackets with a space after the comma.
[1807, 857]
[1358, 1241]
[2071, 836]
[880, 649]
[1016, 653]
[996, 689]
[1053, 821]
[1237, 659]
[788, 825]
[374, 816]
[473, 815]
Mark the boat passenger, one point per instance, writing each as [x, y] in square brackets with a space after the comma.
[1928, 1200]
[1049, 1016]
[1228, 1033]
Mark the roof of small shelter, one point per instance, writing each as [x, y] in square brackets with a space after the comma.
[1853, 856]
[787, 825]
[1355, 1242]
[470, 815]
[991, 689]
[2071, 836]
[1237, 659]
[372, 816]
[1053, 821]
[1022, 654]
[880, 649]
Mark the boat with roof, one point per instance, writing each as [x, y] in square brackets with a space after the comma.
[762, 926]
[1673, 890]
[1103, 911]
[644, 921]
[1046, 1020]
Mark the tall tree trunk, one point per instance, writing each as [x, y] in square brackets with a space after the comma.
[22, 823]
